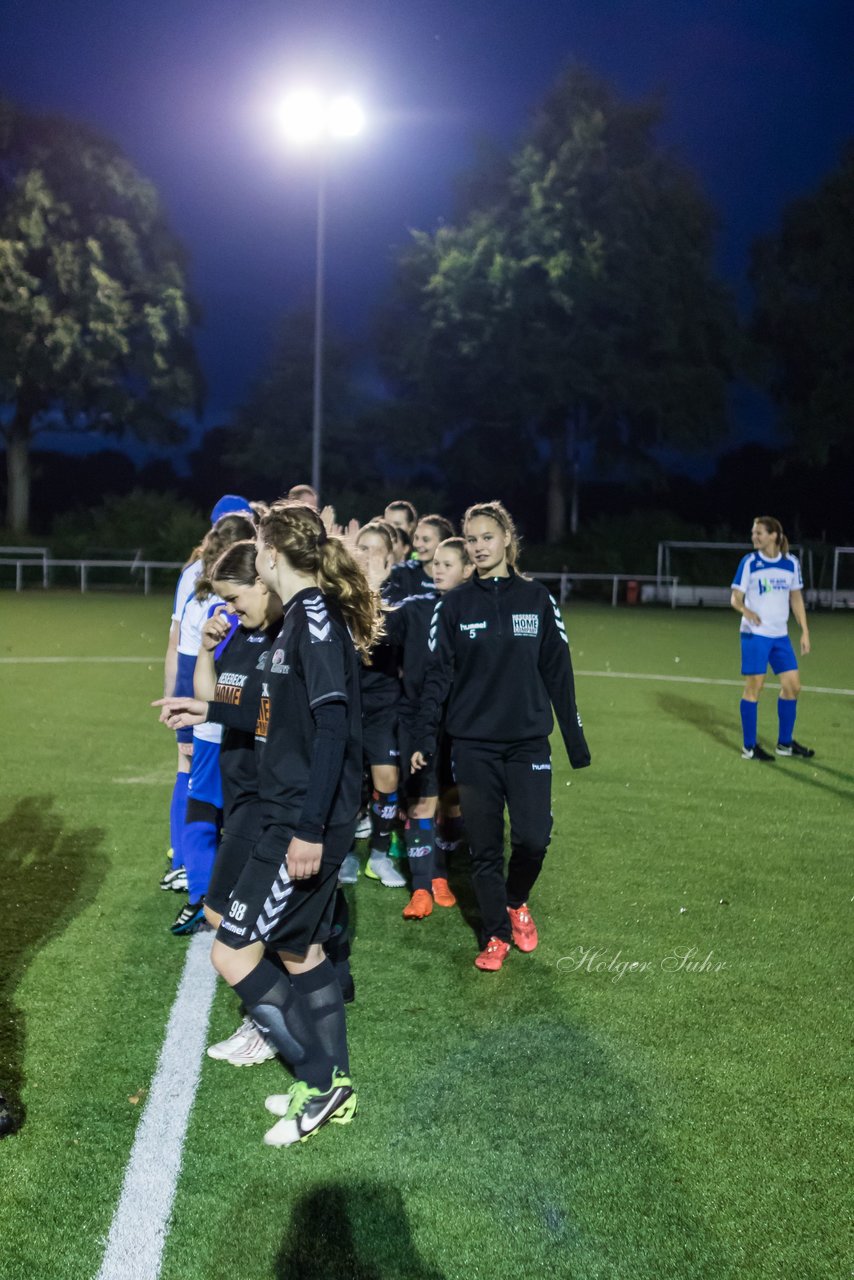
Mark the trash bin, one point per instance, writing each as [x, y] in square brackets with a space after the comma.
[632, 592]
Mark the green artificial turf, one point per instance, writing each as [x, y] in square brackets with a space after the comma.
[567, 1117]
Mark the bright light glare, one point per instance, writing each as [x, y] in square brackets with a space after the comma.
[345, 118]
[307, 118]
[302, 115]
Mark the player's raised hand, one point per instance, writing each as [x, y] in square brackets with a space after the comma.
[374, 564]
[216, 628]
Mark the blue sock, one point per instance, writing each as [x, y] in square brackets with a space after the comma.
[787, 709]
[749, 716]
[198, 845]
[177, 813]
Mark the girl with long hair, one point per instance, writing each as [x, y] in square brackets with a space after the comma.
[409, 627]
[500, 656]
[766, 584]
[203, 813]
[308, 736]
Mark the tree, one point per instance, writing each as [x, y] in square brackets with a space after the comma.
[573, 302]
[804, 281]
[270, 445]
[95, 317]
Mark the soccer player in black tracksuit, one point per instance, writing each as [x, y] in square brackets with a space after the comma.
[409, 627]
[309, 786]
[229, 674]
[501, 657]
[416, 576]
[380, 686]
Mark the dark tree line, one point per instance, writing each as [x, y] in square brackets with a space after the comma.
[569, 312]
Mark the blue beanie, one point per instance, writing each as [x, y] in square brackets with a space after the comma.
[229, 503]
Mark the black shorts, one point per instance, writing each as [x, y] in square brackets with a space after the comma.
[379, 735]
[232, 855]
[286, 915]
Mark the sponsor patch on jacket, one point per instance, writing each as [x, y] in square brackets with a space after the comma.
[526, 624]
[278, 665]
[472, 627]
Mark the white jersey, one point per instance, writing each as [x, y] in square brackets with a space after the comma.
[183, 593]
[195, 615]
[767, 585]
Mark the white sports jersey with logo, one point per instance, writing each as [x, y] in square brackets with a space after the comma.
[195, 615]
[186, 586]
[767, 584]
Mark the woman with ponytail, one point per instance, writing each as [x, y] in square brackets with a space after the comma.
[203, 813]
[309, 744]
[500, 657]
[765, 584]
[380, 709]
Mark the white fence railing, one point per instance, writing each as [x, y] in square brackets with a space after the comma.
[645, 588]
[565, 579]
[83, 567]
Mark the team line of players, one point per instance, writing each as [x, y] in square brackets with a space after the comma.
[318, 654]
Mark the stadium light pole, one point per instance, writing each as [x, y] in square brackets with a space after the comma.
[311, 120]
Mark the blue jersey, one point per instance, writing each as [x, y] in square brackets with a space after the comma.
[767, 585]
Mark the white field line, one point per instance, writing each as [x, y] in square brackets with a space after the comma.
[734, 684]
[49, 661]
[614, 675]
[134, 1247]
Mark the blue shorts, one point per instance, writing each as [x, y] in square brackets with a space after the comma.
[205, 778]
[184, 689]
[758, 652]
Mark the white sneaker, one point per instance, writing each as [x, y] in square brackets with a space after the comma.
[245, 1048]
[380, 867]
[278, 1103]
[363, 827]
[348, 872]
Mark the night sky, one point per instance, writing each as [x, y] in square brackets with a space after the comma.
[759, 99]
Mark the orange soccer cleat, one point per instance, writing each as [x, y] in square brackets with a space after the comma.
[419, 905]
[442, 895]
[523, 927]
[493, 955]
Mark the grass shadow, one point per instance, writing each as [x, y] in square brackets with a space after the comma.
[49, 875]
[703, 717]
[710, 721]
[357, 1230]
[460, 881]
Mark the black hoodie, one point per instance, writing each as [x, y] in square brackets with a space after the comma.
[500, 654]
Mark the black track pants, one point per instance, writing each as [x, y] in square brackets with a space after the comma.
[488, 775]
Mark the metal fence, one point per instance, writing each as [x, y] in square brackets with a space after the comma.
[40, 559]
[45, 564]
[669, 585]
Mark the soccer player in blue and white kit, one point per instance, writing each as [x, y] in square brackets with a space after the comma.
[767, 582]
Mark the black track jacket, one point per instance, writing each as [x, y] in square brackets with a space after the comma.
[500, 654]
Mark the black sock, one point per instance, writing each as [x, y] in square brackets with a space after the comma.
[421, 852]
[324, 1008]
[276, 1010]
[337, 947]
[383, 817]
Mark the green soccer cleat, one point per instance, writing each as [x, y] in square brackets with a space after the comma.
[310, 1109]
